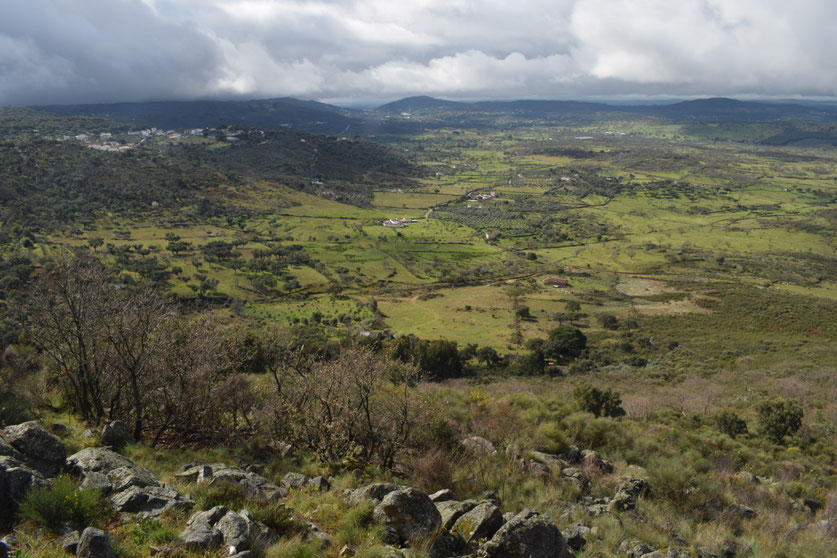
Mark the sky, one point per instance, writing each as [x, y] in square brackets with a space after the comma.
[352, 51]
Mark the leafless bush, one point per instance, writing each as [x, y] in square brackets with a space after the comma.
[354, 409]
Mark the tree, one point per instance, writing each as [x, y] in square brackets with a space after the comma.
[565, 343]
[488, 356]
[779, 417]
[63, 319]
[602, 403]
[534, 363]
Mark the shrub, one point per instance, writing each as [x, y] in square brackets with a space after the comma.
[608, 321]
[730, 423]
[779, 418]
[62, 502]
[602, 403]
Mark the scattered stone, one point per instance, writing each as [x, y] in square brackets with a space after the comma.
[69, 542]
[479, 523]
[477, 445]
[577, 537]
[547, 459]
[16, 478]
[444, 495]
[409, 513]
[347, 550]
[527, 534]
[41, 449]
[807, 505]
[202, 538]
[635, 548]
[60, 429]
[117, 435]
[94, 543]
[539, 469]
[294, 481]
[319, 483]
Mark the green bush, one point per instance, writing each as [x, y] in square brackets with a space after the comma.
[62, 502]
[602, 403]
[779, 418]
[730, 423]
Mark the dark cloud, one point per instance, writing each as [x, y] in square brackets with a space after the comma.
[64, 51]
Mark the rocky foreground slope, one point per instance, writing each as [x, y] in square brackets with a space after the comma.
[438, 524]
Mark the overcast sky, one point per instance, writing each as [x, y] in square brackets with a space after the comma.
[76, 51]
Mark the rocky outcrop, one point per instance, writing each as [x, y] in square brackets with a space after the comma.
[129, 488]
[40, 449]
[116, 435]
[526, 534]
[408, 513]
[255, 486]
[444, 495]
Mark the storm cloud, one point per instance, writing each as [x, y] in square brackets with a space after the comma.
[73, 51]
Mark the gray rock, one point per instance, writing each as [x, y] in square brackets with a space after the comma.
[41, 449]
[745, 512]
[447, 545]
[444, 495]
[294, 481]
[409, 513]
[627, 493]
[539, 469]
[547, 460]
[452, 510]
[375, 491]
[491, 496]
[635, 548]
[347, 550]
[117, 435]
[572, 456]
[202, 538]
[100, 460]
[16, 479]
[479, 523]
[577, 537]
[319, 483]
[131, 489]
[477, 445]
[94, 543]
[69, 542]
[527, 534]
[235, 531]
[60, 429]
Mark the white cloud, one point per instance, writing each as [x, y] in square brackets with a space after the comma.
[110, 50]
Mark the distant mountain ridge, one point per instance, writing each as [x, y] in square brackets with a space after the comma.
[322, 118]
[718, 108]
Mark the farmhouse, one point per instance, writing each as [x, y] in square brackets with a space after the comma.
[398, 223]
[556, 282]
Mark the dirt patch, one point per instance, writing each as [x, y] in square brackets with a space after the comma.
[639, 286]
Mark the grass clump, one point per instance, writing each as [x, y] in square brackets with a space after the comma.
[62, 502]
[231, 495]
